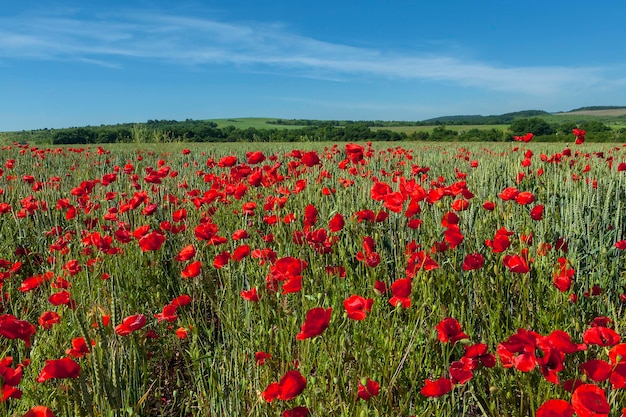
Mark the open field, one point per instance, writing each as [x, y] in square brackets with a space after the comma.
[607, 112]
[456, 128]
[254, 122]
[313, 279]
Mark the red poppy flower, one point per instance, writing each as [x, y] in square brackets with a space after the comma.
[61, 297]
[205, 231]
[562, 341]
[597, 370]
[336, 223]
[130, 324]
[72, 267]
[580, 135]
[357, 307]
[379, 190]
[453, 236]
[261, 357]
[13, 328]
[182, 333]
[461, 372]
[39, 411]
[450, 218]
[79, 348]
[48, 318]
[255, 157]
[564, 277]
[394, 202]
[449, 330]
[420, 260]
[489, 205]
[167, 314]
[500, 242]
[555, 408]
[152, 241]
[287, 270]
[526, 138]
[221, 259]
[414, 223]
[338, 270]
[59, 369]
[601, 336]
[365, 215]
[35, 281]
[288, 266]
[181, 300]
[516, 263]
[316, 321]
[524, 198]
[618, 376]
[473, 261]
[380, 287]
[479, 352]
[509, 193]
[401, 293]
[289, 387]
[519, 351]
[227, 161]
[536, 213]
[240, 253]
[192, 270]
[310, 215]
[250, 295]
[617, 354]
[369, 390]
[436, 388]
[271, 392]
[179, 215]
[240, 234]
[460, 205]
[371, 259]
[354, 152]
[296, 412]
[310, 159]
[10, 378]
[589, 400]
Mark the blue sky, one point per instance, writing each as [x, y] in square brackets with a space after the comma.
[76, 63]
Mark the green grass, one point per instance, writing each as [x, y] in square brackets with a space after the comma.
[213, 371]
[429, 129]
[251, 122]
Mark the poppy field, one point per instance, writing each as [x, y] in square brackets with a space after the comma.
[351, 279]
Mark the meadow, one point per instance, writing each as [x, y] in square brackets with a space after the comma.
[388, 279]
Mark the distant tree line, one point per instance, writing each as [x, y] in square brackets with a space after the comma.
[545, 132]
[163, 131]
[199, 131]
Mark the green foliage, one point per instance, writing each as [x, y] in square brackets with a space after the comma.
[505, 118]
[545, 126]
[533, 125]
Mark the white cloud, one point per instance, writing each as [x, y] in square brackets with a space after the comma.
[109, 39]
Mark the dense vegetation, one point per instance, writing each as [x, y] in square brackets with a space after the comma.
[295, 280]
[503, 119]
[546, 128]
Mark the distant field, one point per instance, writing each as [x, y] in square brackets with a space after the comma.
[261, 123]
[456, 128]
[248, 122]
[607, 112]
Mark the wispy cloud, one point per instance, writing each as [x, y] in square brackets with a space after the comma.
[110, 39]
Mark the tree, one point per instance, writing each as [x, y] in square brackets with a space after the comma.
[535, 125]
[440, 133]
